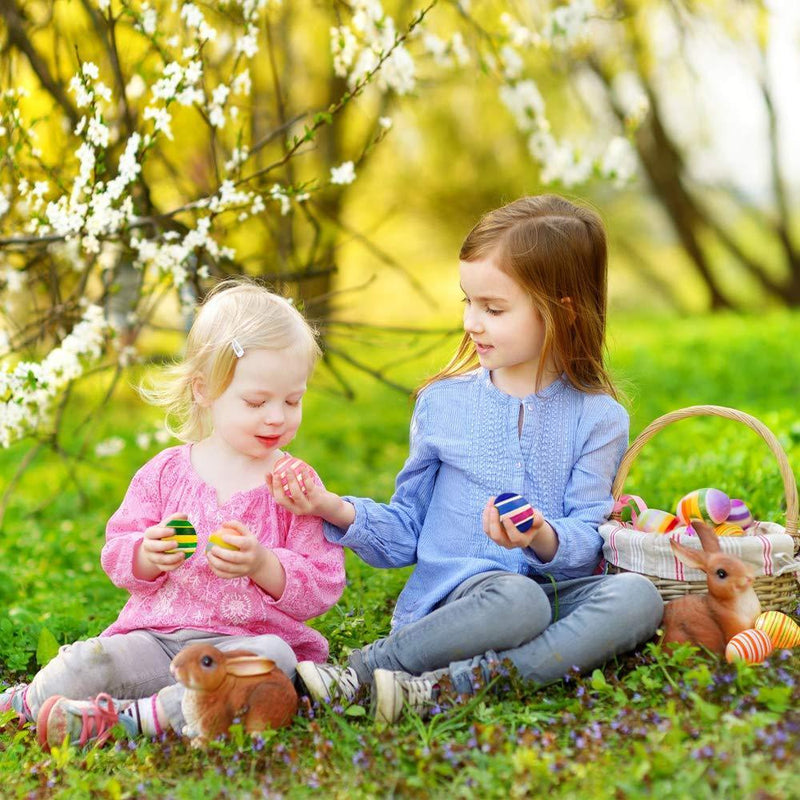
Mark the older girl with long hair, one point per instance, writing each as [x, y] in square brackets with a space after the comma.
[526, 406]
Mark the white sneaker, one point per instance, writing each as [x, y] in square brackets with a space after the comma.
[326, 682]
[391, 691]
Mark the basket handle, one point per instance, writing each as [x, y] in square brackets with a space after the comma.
[789, 483]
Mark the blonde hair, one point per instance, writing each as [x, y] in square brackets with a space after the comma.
[236, 315]
[555, 250]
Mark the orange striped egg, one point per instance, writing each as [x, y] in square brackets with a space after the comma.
[653, 520]
[728, 529]
[782, 630]
[752, 646]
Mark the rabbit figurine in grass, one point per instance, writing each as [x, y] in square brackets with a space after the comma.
[730, 606]
[223, 686]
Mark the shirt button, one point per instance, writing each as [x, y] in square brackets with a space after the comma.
[530, 408]
[519, 465]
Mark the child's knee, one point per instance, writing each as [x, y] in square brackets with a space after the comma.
[640, 602]
[520, 607]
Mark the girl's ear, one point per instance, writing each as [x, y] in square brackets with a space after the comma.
[198, 389]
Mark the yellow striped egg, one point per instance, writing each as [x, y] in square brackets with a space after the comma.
[752, 646]
[185, 537]
[216, 539]
[728, 529]
[782, 630]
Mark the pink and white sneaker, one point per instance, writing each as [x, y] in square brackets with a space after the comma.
[80, 722]
[13, 699]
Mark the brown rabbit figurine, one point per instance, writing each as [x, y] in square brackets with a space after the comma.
[731, 605]
[221, 686]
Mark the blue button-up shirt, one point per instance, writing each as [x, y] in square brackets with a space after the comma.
[559, 448]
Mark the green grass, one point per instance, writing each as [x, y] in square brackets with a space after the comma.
[650, 725]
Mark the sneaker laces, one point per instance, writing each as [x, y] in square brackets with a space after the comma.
[98, 717]
[344, 680]
[418, 692]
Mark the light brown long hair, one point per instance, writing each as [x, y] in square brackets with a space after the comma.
[555, 250]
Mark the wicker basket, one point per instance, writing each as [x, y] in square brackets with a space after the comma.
[779, 592]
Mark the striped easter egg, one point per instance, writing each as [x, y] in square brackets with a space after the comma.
[516, 508]
[740, 514]
[185, 537]
[782, 629]
[710, 505]
[629, 507]
[752, 646]
[728, 529]
[653, 520]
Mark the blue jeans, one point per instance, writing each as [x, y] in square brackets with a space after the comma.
[544, 629]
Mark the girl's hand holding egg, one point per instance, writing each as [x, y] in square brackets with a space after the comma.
[510, 521]
[292, 484]
[234, 552]
[158, 550]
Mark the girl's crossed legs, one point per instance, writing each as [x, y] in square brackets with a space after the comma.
[135, 665]
[546, 630]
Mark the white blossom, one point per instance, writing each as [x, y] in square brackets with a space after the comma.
[109, 447]
[525, 102]
[343, 174]
[33, 387]
[619, 162]
[566, 25]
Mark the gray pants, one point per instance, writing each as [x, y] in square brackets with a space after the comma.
[544, 629]
[136, 664]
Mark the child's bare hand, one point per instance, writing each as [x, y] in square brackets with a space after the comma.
[159, 540]
[504, 532]
[293, 486]
[239, 563]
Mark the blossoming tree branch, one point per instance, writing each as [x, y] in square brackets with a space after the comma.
[149, 148]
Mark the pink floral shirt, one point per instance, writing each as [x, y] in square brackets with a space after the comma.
[193, 596]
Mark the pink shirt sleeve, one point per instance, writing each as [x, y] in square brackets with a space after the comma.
[141, 508]
[314, 568]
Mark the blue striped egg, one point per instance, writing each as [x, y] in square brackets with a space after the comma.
[516, 508]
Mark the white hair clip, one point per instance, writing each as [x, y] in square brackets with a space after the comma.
[238, 350]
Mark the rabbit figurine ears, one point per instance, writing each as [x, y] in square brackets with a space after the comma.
[698, 559]
[246, 666]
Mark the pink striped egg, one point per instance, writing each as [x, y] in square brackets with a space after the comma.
[653, 520]
[516, 508]
[629, 507]
[752, 646]
[740, 514]
[710, 505]
[781, 629]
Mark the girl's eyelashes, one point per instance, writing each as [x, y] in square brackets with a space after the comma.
[489, 309]
[260, 403]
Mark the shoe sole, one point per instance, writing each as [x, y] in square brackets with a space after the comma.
[388, 697]
[41, 721]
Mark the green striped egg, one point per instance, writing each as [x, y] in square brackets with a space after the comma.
[185, 536]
